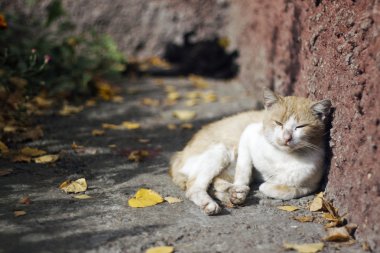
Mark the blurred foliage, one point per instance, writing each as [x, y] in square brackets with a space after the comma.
[41, 52]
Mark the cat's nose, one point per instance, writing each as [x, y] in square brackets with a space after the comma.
[287, 138]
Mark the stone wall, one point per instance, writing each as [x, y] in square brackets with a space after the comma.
[325, 49]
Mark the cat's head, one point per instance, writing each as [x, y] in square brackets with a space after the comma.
[294, 123]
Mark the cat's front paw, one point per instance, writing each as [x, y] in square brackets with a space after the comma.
[211, 208]
[238, 194]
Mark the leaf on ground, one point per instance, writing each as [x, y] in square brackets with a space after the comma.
[104, 90]
[97, 132]
[159, 62]
[184, 115]
[160, 249]
[303, 218]
[305, 248]
[3, 148]
[25, 200]
[90, 103]
[19, 213]
[145, 198]
[187, 126]
[130, 125]
[171, 126]
[69, 186]
[4, 172]
[173, 96]
[69, 110]
[46, 159]
[288, 208]
[75, 146]
[337, 235]
[330, 208]
[32, 152]
[193, 95]
[172, 200]
[117, 99]
[317, 203]
[111, 126]
[19, 158]
[42, 102]
[209, 97]
[198, 82]
[10, 129]
[144, 140]
[150, 102]
[138, 155]
[82, 196]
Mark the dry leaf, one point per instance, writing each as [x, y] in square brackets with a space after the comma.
[171, 126]
[112, 146]
[366, 247]
[224, 42]
[21, 158]
[303, 218]
[19, 213]
[32, 152]
[42, 102]
[173, 96]
[111, 126]
[3, 148]
[97, 132]
[351, 228]
[46, 159]
[82, 196]
[198, 82]
[160, 249]
[159, 62]
[79, 185]
[130, 125]
[150, 102]
[117, 99]
[144, 198]
[9, 129]
[75, 146]
[329, 217]
[187, 126]
[184, 115]
[138, 155]
[24, 200]
[193, 95]
[337, 235]
[288, 208]
[191, 102]
[4, 172]
[305, 248]
[144, 140]
[69, 109]
[317, 203]
[104, 90]
[90, 103]
[330, 208]
[172, 200]
[209, 97]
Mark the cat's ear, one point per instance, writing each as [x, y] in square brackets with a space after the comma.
[321, 109]
[270, 98]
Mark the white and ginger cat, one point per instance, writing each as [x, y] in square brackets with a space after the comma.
[283, 145]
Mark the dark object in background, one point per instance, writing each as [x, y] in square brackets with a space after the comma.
[205, 58]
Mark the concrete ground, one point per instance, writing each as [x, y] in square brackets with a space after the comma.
[56, 222]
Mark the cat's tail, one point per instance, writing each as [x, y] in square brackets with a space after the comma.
[176, 163]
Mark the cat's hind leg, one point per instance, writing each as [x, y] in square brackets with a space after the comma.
[201, 171]
[220, 189]
[285, 192]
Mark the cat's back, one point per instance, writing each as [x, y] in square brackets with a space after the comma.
[226, 131]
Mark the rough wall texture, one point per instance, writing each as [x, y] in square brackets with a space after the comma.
[325, 49]
[320, 49]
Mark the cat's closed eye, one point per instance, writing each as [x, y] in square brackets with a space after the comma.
[301, 126]
[278, 123]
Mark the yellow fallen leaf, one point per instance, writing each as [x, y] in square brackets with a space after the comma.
[130, 125]
[69, 109]
[145, 198]
[46, 159]
[159, 62]
[171, 126]
[19, 213]
[191, 102]
[224, 42]
[42, 102]
[288, 208]
[104, 90]
[9, 129]
[193, 95]
[4, 172]
[198, 82]
[329, 217]
[138, 155]
[173, 95]
[111, 126]
[79, 185]
[172, 200]
[330, 208]
[144, 140]
[305, 248]
[169, 88]
[97, 132]
[3, 148]
[187, 126]
[304, 218]
[184, 115]
[90, 103]
[317, 203]
[32, 152]
[150, 102]
[337, 235]
[21, 158]
[117, 99]
[209, 97]
[160, 249]
[82, 196]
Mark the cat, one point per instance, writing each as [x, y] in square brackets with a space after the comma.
[283, 145]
